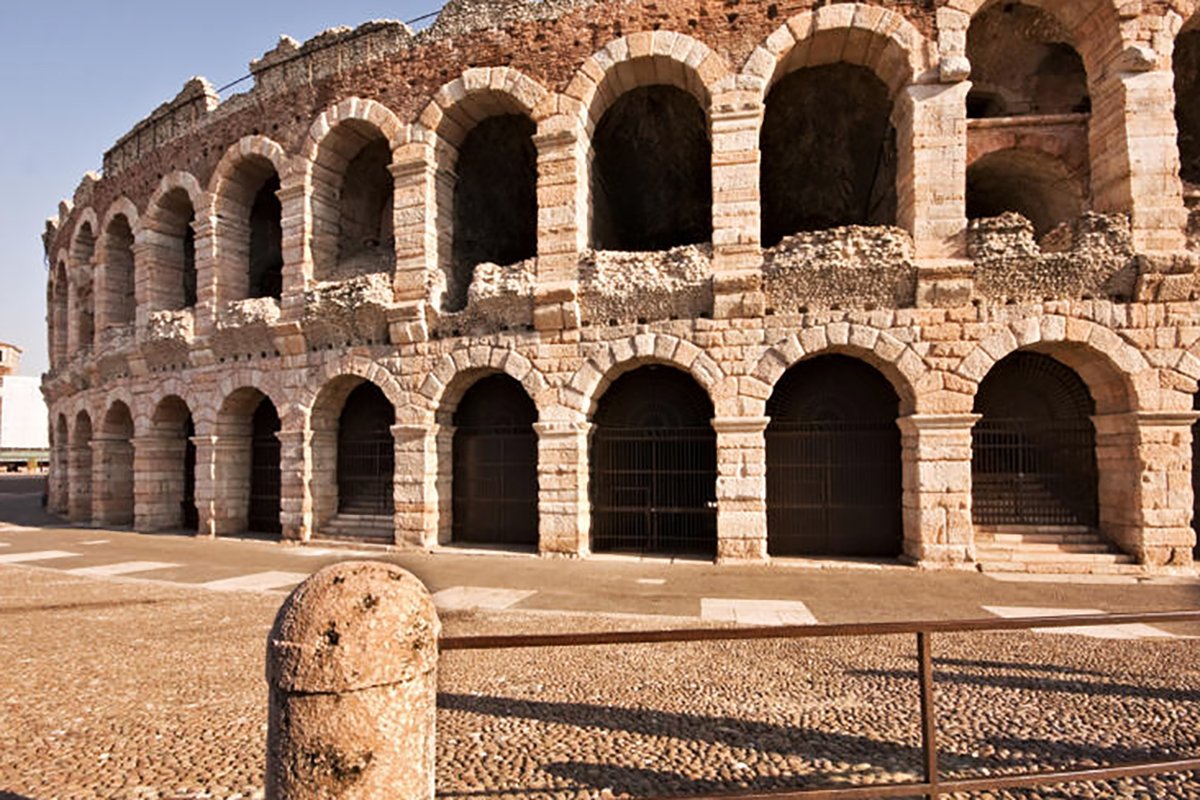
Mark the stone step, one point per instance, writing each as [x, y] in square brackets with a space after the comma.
[1020, 540]
[359, 527]
[1006, 550]
[1060, 568]
[1033, 529]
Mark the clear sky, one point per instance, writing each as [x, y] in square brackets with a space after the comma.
[75, 76]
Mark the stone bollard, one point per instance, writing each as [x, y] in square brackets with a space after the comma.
[352, 671]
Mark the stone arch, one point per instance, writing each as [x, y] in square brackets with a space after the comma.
[165, 448]
[456, 372]
[893, 359]
[1115, 372]
[351, 366]
[60, 461]
[149, 403]
[60, 287]
[265, 383]
[1045, 187]
[169, 245]
[115, 287]
[80, 455]
[483, 125]
[113, 500]
[248, 175]
[614, 359]
[247, 464]
[83, 238]
[853, 33]
[353, 139]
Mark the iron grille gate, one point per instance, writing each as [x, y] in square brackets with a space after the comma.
[833, 488]
[189, 514]
[654, 490]
[495, 485]
[263, 516]
[1034, 472]
[365, 467]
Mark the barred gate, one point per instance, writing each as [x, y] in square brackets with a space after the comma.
[495, 486]
[265, 479]
[366, 453]
[189, 514]
[654, 490]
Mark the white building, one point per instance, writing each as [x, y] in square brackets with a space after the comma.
[24, 422]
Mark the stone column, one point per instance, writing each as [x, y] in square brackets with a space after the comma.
[297, 268]
[158, 489]
[295, 472]
[205, 314]
[936, 458]
[59, 480]
[931, 184]
[741, 488]
[562, 190]
[79, 483]
[736, 212]
[322, 479]
[207, 487]
[564, 511]
[229, 504]
[414, 171]
[1144, 461]
[352, 672]
[112, 477]
[415, 485]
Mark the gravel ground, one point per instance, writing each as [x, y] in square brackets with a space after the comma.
[124, 690]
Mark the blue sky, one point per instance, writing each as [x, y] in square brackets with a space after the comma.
[78, 75]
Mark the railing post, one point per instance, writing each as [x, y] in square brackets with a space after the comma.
[929, 745]
[352, 673]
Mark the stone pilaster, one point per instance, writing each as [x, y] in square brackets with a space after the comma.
[416, 485]
[59, 481]
[297, 263]
[79, 483]
[936, 458]
[205, 313]
[736, 211]
[741, 488]
[321, 481]
[158, 490]
[564, 514]
[295, 472]
[210, 506]
[414, 221]
[562, 225]
[230, 502]
[1144, 461]
[112, 477]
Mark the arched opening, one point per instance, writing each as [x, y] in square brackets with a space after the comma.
[1186, 62]
[1023, 61]
[85, 312]
[265, 478]
[352, 203]
[174, 251]
[59, 354]
[80, 505]
[495, 200]
[1033, 458]
[828, 152]
[495, 486]
[366, 453]
[83, 249]
[1033, 184]
[118, 301]
[833, 462]
[114, 451]
[654, 465]
[266, 241]
[249, 231]
[651, 172]
[61, 465]
[167, 457]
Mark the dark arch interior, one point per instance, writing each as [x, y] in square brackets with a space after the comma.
[828, 152]
[263, 513]
[365, 241]
[1196, 478]
[651, 172]
[833, 462]
[654, 465]
[266, 241]
[495, 200]
[1187, 111]
[178, 281]
[118, 275]
[189, 513]
[366, 454]
[495, 465]
[1035, 185]
[1022, 62]
[1034, 449]
[117, 489]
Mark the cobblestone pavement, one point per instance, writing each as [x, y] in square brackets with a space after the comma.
[135, 690]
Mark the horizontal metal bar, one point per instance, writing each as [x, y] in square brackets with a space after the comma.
[1014, 781]
[808, 631]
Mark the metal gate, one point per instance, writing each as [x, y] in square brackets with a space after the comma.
[833, 488]
[263, 514]
[833, 462]
[189, 514]
[654, 466]
[495, 487]
[1033, 459]
[366, 453]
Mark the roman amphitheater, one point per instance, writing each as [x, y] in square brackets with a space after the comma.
[738, 279]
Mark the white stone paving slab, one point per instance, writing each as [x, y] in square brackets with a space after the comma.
[463, 598]
[652, 581]
[256, 582]
[122, 568]
[93, 542]
[1130, 631]
[36, 555]
[756, 612]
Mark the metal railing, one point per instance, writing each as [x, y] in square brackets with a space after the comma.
[934, 785]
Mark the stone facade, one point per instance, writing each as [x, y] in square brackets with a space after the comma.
[140, 351]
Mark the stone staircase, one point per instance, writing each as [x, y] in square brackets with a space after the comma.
[369, 528]
[1055, 549]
